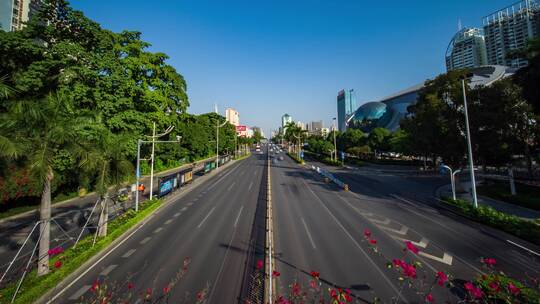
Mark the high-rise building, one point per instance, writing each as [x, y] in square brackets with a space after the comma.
[301, 125]
[257, 129]
[232, 116]
[466, 50]
[315, 127]
[13, 13]
[346, 105]
[285, 119]
[508, 30]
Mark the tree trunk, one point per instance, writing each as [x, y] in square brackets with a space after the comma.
[103, 218]
[45, 226]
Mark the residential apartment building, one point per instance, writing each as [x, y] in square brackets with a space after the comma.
[467, 49]
[232, 116]
[508, 30]
[13, 13]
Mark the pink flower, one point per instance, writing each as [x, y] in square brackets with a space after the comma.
[129, 285]
[495, 286]
[275, 273]
[282, 300]
[313, 284]
[166, 289]
[55, 251]
[473, 290]
[367, 233]
[429, 298]
[200, 295]
[477, 293]
[411, 247]
[373, 242]
[513, 289]
[397, 262]
[441, 278]
[95, 285]
[347, 297]
[295, 289]
[333, 294]
[260, 264]
[57, 264]
[490, 262]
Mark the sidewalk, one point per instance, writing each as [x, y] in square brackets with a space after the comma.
[522, 212]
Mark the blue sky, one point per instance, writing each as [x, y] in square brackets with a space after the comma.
[266, 58]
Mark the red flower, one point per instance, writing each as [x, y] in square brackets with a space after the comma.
[260, 264]
[55, 251]
[282, 300]
[429, 298]
[513, 289]
[373, 242]
[315, 274]
[295, 289]
[495, 286]
[347, 297]
[166, 289]
[408, 270]
[313, 284]
[473, 290]
[411, 247]
[333, 294]
[129, 285]
[200, 295]
[469, 286]
[441, 278]
[95, 285]
[276, 273]
[490, 262]
[397, 262]
[148, 292]
[367, 233]
[57, 264]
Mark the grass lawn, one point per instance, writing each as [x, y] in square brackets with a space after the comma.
[527, 196]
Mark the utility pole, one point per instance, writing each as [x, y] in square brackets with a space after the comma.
[152, 160]
[335, 143]
[217, 141]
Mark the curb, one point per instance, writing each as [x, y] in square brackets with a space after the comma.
[270, 286]
[45, 298]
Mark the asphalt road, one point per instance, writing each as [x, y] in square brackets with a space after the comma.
[319, 227]
[68, 217]
[209, 227]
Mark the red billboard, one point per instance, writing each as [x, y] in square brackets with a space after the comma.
[241, 128]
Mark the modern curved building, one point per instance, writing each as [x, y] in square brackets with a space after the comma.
[467, 49]
[389, 111]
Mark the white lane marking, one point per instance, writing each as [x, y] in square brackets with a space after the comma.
[524, 248]
[219, 180]
[108, 270]
[309, 234]
[204, 219]
[238, 216]
[423, 242]
[60, 292]
[446, 259]
[158, 230]
[146, 239]
[402, 231]
[228, 189]
[366, 255]
[385, 222]
[167, 222]
[80, 292]
[177, 214]
[250, 185]
[184, 209]
[127, 254]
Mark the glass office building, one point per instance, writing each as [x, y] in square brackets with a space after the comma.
[346, 105]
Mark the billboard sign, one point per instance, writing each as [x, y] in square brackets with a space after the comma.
[241, 128]
[166, 186]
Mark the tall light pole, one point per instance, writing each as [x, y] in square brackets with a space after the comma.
[138, 173]
[469, 146]
[335, 144]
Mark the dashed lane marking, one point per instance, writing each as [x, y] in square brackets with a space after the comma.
[184, 209]
[177, 214]
[402, 231]
[228, 189]
[127, 254]
[238, 216]
[158, 230]
[80, 292]
[108, 270]
[167, 222]
[524, 248]
[309, 234]
[250, 185]
[190, 203]
[206, 217]
[146, 239]
[446, 259]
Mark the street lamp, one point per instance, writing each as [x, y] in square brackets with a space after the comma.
[138, 173]
[469, 147]
[334, 131]
[452, 180]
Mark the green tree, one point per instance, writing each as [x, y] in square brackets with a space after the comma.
[378, 139]
[351, 138]
[37, 131]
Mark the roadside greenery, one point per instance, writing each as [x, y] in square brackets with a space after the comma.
[527, 230]
[526, 196]
[294, 156]
[64, 262]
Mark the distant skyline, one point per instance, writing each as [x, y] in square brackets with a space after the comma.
[277, 57]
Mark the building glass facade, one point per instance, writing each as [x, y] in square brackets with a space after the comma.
[346, 105]
[467, 49]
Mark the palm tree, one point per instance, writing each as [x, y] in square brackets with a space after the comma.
[108, 156]
[294, 134]
[34, 131]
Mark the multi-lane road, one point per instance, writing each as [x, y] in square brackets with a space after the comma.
[217, 231]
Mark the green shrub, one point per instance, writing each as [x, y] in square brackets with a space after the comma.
[295, 158]
[527, 230]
